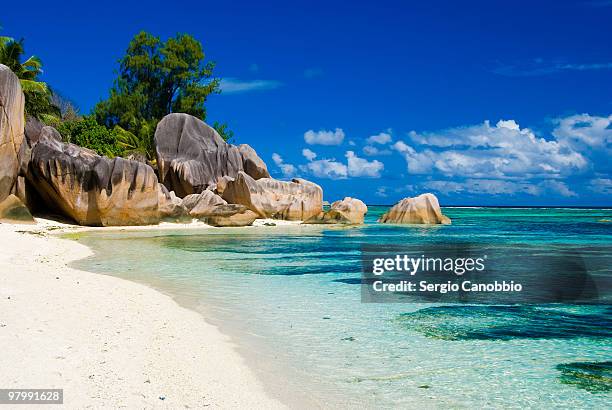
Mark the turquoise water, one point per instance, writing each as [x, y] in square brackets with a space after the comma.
[291, 297]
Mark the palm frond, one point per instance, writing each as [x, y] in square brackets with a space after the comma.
[31, 86]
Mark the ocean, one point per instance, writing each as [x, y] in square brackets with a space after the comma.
[291, 297]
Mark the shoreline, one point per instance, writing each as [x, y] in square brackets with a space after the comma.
[109, 341]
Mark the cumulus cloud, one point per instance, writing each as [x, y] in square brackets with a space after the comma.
[309, 154]
[584, 131]
[382, 192]
[382, 138]
[326, 168]
[360, 167]
[372, 150]
[324, 137]
[484, 151]
[288, 170]
[499, 187]
[236, 86]
[601, 185]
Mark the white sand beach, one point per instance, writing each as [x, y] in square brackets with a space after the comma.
[108, 342]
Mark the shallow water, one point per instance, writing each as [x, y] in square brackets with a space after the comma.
[291, 296]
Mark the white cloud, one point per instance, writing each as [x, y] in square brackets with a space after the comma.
[381, 192]
[601, 185]
[288, 170]
[236, 86]
[372, 150]
[484, 151]
[382, 138]
[326, 168]
[584, 130]
[499, 187]
[360, 167]
[540, 67]
[309, 154]
[324, 137]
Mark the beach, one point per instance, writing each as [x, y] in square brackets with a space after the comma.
[106, 341]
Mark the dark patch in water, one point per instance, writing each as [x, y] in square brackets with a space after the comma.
[510, 322]
[595, 377]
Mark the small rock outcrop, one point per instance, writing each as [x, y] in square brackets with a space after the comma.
[214, 210]
[297, 200]
[192, 156]
[203, 204]
[90, 189]
[12, 123]
[423, 209]
[349, 211]
[171, 207]
[33, 128]
[13, 210]
[243, 218]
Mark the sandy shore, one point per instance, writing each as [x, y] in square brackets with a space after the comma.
[106, 341]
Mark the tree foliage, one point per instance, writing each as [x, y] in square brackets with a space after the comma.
[37, 93]
[156, 78]
[86, 132]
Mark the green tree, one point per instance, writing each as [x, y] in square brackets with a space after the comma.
[37, 93]
[156, 78]
[224, 131]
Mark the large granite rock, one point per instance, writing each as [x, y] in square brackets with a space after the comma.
[192, 156]
[423, 209]
[12, 123]
[349, 211]
[93, 190]
[297, 200]
[12, 210]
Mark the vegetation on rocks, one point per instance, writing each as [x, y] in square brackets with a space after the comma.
[155, 78]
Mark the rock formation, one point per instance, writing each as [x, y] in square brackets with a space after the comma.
[33, 128]
[297, 200]
[423, 209]
[243, 218]
[202, 205]
[192, 156]
[214, 210]
[93, 190]
[13, 210]
[171, 207]
[349, 211]
[12, 140]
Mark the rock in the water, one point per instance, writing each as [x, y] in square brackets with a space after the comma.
[93, 190]
[244, 218]
[13, 210]
[192, 156]
[12, 123]
[297, 200]
[423, 209]
[350, 211]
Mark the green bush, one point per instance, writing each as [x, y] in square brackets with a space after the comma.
[86, 132]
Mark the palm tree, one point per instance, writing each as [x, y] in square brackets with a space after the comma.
[37, 93]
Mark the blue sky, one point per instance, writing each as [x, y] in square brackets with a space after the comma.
[480, 102]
